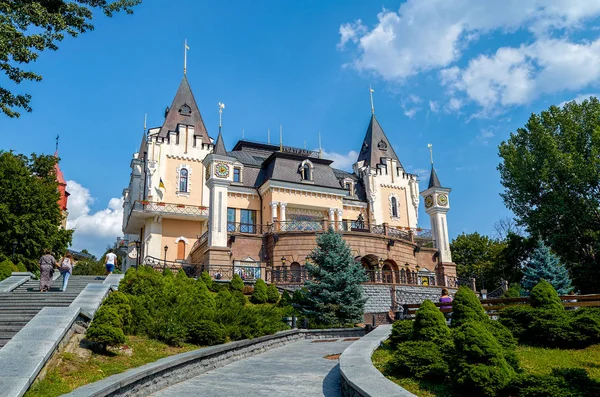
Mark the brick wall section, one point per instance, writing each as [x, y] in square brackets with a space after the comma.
[379, 298]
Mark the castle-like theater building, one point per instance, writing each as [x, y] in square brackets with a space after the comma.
[256, 209]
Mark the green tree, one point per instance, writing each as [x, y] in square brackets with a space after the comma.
[334, 295]
[260, 294]
[550, 173]
[30, 27]
[544, 265]
[29, 210]
[478, 256]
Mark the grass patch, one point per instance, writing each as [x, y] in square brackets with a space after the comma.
[540, 361]
[74, 371]
[381, 360]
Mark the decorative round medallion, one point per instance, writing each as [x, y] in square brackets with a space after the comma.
[221, 170]
[442, 200]
[428, 201]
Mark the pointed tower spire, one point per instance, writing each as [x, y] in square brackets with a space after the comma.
[433, 179]
[376, 145]
[220, 146]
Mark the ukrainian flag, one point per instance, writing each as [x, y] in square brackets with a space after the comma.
[161, 185]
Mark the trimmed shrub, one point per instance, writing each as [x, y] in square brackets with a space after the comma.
[478, 365]
[586, 327]
[88, 267]
[260, 292]
[466, 307]
[21, 267]
[236, 284]
[6, 269]
[272, 294]
[544, 296]
[239, 297]
[517, 319]
[401, 332]
[207, 280]
[430, 324]
[506, 340]
[206, 333]
[562, 382]
[119, 301]
[514, 291]
[420, 359]
[286, 299]
[106, 327]
[167, 272]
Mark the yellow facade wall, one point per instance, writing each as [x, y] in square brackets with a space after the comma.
[195, 181]
[307, 199]
[402, 211]
[174, 228]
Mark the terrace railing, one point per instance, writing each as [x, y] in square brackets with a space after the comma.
[248, 228]
[169, 209]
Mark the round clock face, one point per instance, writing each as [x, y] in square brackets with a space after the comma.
[222, 170]
[428, 201]
[442, 200]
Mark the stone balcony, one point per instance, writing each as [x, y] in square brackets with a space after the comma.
[140, 210]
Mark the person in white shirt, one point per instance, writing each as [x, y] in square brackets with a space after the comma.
[111, 262]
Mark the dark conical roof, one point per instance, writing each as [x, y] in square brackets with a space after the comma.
[220, 146]
[433, 179]
[184, 111]
[376, 145]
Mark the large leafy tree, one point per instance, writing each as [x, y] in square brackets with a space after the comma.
[29, 27]
[477, 256]
[544, 265]
[29, 210]
[334, 295]
[550, 170]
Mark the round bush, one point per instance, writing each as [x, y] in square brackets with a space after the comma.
[105, 334]
[207, 280]
[517, 319]
[237, 284]
[272, 294]
[420, 359]
[430, 324]
[260, 292]
[401, 332]
[21, 267]
[544, 296]
[285, 300]
[478, 366]
[466, 307]
[206, 333]
[239, 297]
[5, 269]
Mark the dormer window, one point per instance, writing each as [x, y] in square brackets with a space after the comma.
[306, 170]
[237, 174]
[349, 186]
[185, 110]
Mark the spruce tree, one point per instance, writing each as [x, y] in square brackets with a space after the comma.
[544, 265]
[334, 295]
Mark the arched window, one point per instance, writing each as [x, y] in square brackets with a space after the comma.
[394, 206]
[183, 180]
[306, 169]
[181, 250]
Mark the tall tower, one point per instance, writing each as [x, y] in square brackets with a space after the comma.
[219, 175]
[437, 205]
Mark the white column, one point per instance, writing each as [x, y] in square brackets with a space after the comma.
[331, 215]
[274, 211]
[340, 212]
[282, 207]
[217, 216]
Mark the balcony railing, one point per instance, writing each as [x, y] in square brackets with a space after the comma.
[169, 209]
[248, 228]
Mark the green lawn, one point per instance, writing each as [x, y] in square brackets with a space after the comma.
[538, 360]
[534, 360]
[73, 371]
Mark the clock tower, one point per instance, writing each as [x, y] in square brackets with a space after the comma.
[437, 205]
[219, 175]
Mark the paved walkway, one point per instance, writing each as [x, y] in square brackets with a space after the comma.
[297, 369]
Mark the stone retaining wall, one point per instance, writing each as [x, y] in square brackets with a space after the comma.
[379, 297]
[359, 377]
[168, 371]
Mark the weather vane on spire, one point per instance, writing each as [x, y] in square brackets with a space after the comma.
[57, 136]
[371, 91]
[430, 146]
[221, 107]
[185, 48]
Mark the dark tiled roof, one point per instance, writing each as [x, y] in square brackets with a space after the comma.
[376, 145]
[220, 146]
[341, 174]
[433, 179]
[247, 158]
[184, 110]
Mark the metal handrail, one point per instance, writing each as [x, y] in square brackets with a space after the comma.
[168, 208]
[248, 228]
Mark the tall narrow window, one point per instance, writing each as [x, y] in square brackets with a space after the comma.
[394, 207]
[236, 174]
[183, 180]
[231, 219]
[247, 221]
[181, 250]
[306, 172]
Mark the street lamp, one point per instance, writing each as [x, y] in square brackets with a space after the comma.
[138, 245]
[166, 249]
[14, 243]
[283, 260]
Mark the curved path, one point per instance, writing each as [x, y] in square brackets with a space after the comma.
[296, 369]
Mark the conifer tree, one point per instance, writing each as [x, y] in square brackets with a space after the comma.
[544, 265]
[334, 295]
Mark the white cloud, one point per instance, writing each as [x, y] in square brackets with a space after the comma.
[424, 36]
[433, 106]
[454, 104]
[342, 161]
[93, 231]
[410, 113]
[579, 98]
[485, 135]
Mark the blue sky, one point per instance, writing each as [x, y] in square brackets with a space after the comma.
[448, 72]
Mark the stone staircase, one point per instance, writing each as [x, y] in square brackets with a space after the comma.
[19, 306]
